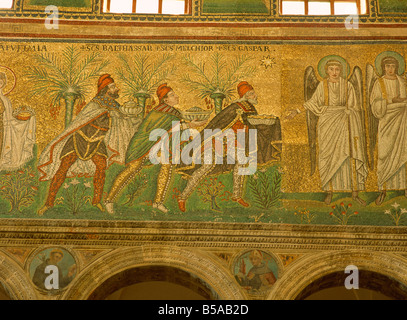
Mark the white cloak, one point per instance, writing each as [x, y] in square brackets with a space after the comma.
[116, 140]
[341, 137]
[392, 133]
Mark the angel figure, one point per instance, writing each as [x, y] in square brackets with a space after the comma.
[387, 114]
[335, 120]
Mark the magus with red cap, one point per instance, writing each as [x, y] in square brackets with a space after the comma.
[87, 146]
[163, 118]
[235, 117]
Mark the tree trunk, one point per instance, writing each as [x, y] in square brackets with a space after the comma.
[70, 99]
[141, 99]
[218, 98]
[214, 205]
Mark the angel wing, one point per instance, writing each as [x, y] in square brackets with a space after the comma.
[311, 83]
[373, 122]
[356, 79]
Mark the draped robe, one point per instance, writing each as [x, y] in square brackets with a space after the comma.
[392, 132]
[115, 140]
[18, 138]
[341, 136]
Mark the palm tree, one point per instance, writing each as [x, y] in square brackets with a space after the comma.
[142, 74]
[65, 77]
[218, 81]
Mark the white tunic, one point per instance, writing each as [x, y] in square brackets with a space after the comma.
[341, 137]
[392, 132]
[18, 140]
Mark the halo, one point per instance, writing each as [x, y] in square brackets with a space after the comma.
[395, 55]
[342, 61]
[9, 72]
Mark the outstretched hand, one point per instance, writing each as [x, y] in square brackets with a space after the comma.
[291, 115]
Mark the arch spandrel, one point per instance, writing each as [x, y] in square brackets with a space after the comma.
[195, 263]
[15, 281]
[313, 267]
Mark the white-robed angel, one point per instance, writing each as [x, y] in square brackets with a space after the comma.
[336, 126]
[17, 132]
[387, 113]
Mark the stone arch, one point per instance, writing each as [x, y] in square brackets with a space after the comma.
[16, 283]
[195, 263]
[312, 268]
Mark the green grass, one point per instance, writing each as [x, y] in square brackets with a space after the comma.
[234, 6]
[393, 6]
[287, 210]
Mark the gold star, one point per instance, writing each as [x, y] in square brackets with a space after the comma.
[268, 62]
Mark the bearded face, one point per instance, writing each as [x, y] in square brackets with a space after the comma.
[251, 97]
[113, 91]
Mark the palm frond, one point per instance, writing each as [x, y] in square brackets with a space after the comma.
[127, 74]
[199, 69]
[54, 74]
[218, 65]
[203, 89]
[158, 72]
[236, 71]
[43, 82]
[71, 59]
[92, 60]
[52, 63]
[143, 73]
[90, 72]
[222, 74]
[160, 78]
[140, 61]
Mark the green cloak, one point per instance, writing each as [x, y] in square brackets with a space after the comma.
[160, 117]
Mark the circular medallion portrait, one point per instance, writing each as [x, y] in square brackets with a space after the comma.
[256, 271]
[52, 269]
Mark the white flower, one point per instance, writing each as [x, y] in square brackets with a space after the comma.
[66, 186]
[395, 205]
[387, 212]
[403, 210]
[87, 185]
[75, 182]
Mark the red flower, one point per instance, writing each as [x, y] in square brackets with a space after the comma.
[331, 213]
[350, 205]
[34, 188]
[343, 212]
[356, 212]
[3, 188]
[342, 204]
[20, 171]
[333, 207]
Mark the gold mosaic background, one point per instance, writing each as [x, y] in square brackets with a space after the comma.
[278, 81]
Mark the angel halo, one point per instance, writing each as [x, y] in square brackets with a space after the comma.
[390, 54]
[9, 73]
[329, 104]
[333, 58]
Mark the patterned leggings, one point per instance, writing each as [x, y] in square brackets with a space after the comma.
[59, 178]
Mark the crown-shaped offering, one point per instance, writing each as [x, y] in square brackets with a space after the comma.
[131, 108]
[262, 120]
[196, 113]
[23, 113]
